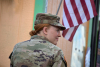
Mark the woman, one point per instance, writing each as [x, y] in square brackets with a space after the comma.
[41, 49]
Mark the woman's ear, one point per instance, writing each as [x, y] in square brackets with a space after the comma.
[45, 30]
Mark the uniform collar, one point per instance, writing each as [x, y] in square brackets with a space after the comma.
[38, 37]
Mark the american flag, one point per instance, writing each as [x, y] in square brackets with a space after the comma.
[76, 12]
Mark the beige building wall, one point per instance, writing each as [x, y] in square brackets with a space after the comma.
[16, 20]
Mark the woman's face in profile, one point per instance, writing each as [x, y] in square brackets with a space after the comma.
[53, 34]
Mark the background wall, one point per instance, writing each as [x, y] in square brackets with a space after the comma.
[16, 21]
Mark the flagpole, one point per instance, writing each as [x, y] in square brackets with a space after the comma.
[93, 55]
[59, 7]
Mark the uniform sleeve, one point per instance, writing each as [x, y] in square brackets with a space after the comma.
[11, 56]
[10, 59]
[59, 60]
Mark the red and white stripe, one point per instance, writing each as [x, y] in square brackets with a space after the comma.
[76, 12]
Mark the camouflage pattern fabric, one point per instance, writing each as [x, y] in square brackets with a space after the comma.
[37, 52]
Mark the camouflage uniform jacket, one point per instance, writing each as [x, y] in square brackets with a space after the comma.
[37, 52]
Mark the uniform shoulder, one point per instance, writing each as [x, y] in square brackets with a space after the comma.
[53, 46]
[57, 49]
[20, 44]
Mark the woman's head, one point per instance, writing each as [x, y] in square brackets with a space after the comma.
[48, 25]
[52, 33]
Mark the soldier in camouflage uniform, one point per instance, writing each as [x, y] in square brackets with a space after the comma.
[41, 49]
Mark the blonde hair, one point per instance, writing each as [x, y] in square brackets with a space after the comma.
[38, 28]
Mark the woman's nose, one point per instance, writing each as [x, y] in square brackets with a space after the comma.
[59, 35]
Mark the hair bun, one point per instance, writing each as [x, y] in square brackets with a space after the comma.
[33, 32]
